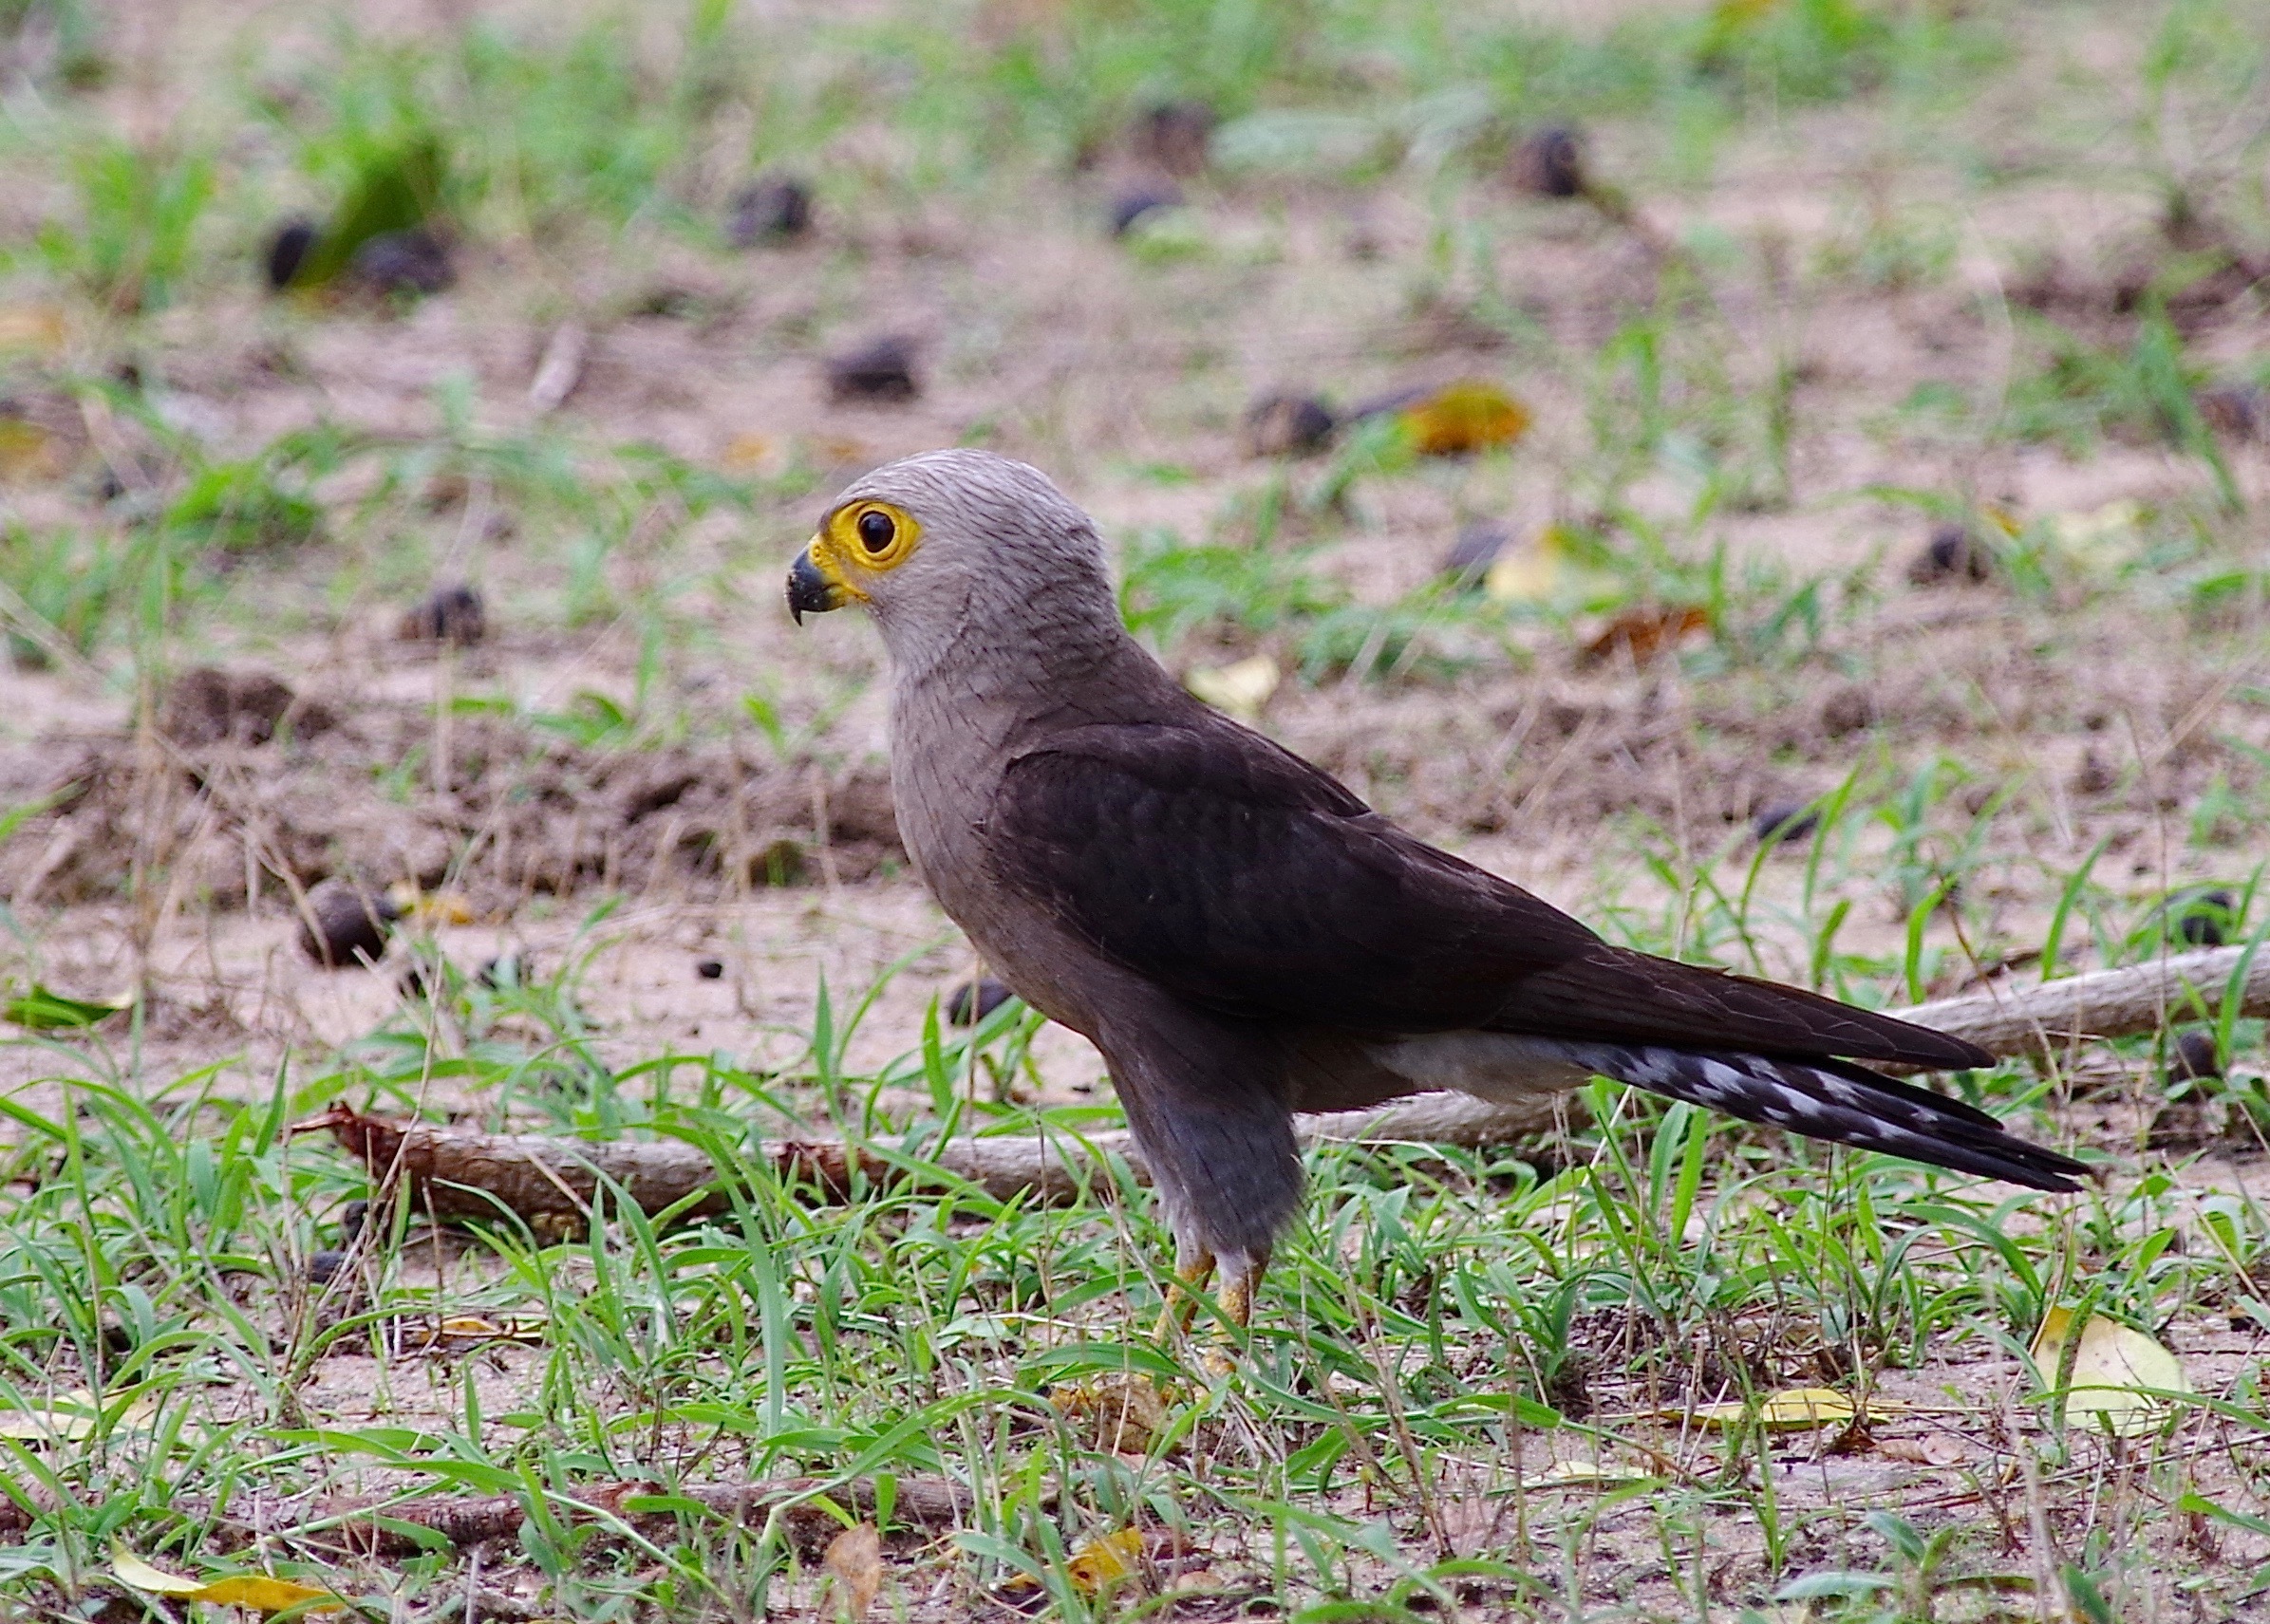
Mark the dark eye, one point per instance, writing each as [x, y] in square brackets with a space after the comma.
[876, 531]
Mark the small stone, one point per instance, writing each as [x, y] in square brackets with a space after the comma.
[1476, 548]
[206, 705]
[1952, 552]
[1848, 709]
[1287, 425]
[325, 1265]
[345, 924]
[771, 209]
[1131, 204]
[971, 1001]
[412, 262]
[449, 614]
[288, 249]
[2203, 919]
[1550, 163]
[1785, 822]
[710, 969]
[1172, 137]
[880, 369]
[2193, 1057]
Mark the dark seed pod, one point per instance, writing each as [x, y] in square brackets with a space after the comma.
[2203, 919]
[880, 369]
[971, 1001]
[770, 209]
[1134, 202]
[710, 969]
[2193, 1057]
[351, 1219]
[411, 262]
[288, 249]
[1172, 137]
[448, 614]
[326, 1266]
[1550, 163]
[1951, 553]
[1288, 425]
[1785, 821]
[345, 924]
[1473, 553]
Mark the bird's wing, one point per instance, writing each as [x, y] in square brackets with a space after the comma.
[1237, 876]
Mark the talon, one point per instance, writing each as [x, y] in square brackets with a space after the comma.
[1190, 1275]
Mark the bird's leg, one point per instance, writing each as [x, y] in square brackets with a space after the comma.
[1193, 1267]
[1241, 1283]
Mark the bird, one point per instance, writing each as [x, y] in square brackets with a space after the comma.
[1242, 937]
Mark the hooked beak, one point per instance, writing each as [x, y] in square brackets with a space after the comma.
[811, 589]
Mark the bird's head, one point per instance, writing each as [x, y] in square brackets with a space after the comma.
[936, 543]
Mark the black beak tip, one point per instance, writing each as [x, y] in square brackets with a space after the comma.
[808, 589]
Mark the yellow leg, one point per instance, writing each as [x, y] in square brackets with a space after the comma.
[1241, 1280]
[1191, 1271]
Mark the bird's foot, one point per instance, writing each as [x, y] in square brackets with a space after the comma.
[1192, 1269]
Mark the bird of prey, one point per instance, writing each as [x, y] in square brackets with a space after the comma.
[1237, 933]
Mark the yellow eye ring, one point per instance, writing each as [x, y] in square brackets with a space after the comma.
[875, 535]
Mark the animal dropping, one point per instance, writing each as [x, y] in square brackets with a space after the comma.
[880, 369]
[453, 614]
[769, 211]
[1550, 163]
[1288, 425]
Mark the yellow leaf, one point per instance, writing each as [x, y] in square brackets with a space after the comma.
[67, 1419]
[134, 1573]
[1240, 689]
[1464, 417]
[1785, 1410]
[1585, 1474]
[264, 1595]
[855, 1559]
[256, 1591]
[1104, 1565]
[2113, 1363]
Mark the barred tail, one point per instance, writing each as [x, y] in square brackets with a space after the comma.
[1833, 1100]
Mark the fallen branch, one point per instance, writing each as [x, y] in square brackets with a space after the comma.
[454, 1172]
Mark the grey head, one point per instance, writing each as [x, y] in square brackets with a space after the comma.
[950, 546]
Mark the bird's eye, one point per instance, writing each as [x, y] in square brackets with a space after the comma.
[876, 530]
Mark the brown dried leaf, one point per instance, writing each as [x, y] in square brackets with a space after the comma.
[1646, 632]
[1932, 1449]
[854, 1559]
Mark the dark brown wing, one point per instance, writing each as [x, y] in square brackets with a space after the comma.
[1234, 874]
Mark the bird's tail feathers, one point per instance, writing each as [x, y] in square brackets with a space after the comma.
[1836, 1101]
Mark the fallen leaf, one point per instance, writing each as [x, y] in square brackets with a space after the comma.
[29, 452]
[1529, 573]
[1126, 1410]
[1585, 1474]
[32, 326]
[258, 1591]
[1106, 1563]
[1645, 632]
[854, 1558]
[1240, 689]
[745, 452]
[2111, 1366]
[1463, 416]
[41, 1010]
[1932, 1449]
[1785, 1410]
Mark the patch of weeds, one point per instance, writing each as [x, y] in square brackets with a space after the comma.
[133, 244]
[71, 580]
[2083, 392]
[262, 502]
